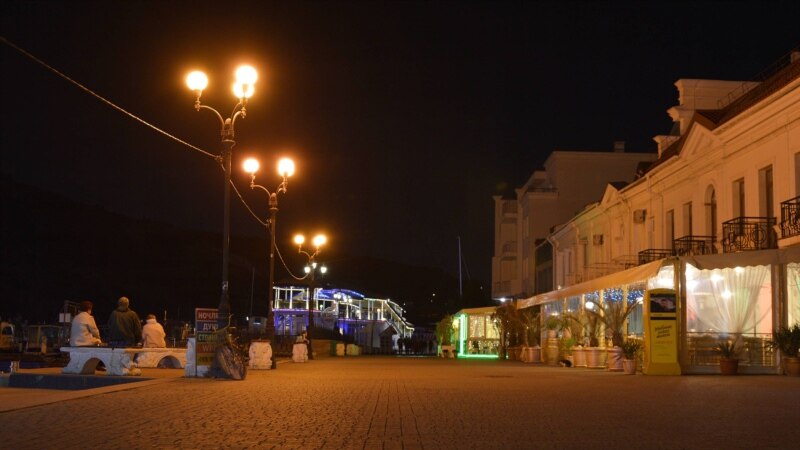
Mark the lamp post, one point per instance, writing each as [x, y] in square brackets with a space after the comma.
[243, 89]
[285, 170]
[311, 270]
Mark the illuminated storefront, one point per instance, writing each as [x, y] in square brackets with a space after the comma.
[738, 297]
[477, 333]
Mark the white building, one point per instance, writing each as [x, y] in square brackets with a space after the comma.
[721, 203]
[570, 180]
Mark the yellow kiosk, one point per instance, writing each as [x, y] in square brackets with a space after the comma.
[661, 333]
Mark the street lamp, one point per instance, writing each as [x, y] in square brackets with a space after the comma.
[285, 170]
[311, 270]
[243, 89]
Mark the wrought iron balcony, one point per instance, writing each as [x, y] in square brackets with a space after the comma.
[654, 254]
[694, 245]
[790, 218]
[748, 233]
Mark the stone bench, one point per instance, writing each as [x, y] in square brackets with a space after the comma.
[121, 361]
[300, 352]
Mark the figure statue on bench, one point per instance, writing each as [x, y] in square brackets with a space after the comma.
[124, 325]
[83, 331]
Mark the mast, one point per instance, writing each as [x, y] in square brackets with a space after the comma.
[460, 282]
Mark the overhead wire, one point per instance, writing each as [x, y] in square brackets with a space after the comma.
[103, 99]
[155, 128]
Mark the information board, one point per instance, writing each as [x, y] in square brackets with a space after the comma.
[205, 325]
[661, 333]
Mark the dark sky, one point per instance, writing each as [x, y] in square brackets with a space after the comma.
[404, 118]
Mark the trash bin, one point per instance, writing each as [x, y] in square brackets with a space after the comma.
[339, 349]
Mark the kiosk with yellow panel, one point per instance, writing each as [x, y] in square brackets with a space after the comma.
[661, 335]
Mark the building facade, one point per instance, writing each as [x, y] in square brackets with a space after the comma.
[716, 219]
[569, 181]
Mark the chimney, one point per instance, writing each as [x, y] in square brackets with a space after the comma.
[619, 146]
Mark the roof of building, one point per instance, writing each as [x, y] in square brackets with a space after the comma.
[483, 310]
[781, 74]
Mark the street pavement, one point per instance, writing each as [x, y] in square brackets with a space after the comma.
[416, 403]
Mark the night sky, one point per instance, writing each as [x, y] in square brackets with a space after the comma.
[404, 118]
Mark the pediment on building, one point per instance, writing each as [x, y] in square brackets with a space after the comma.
[699, 140]
[611, 194]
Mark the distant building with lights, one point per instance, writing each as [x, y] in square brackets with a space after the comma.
[371, 322]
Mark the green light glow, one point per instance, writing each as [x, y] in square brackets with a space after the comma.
[462, 334]
[478, 356]
[462, 340]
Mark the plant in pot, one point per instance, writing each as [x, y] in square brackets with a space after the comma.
[444, 334]
[787, 340]
[728, 356]
[594, 354]
[552, 324]
[577, 333]
[567, 346]
[630, 353]
[614, 314]
[531, 331]
[507, 319]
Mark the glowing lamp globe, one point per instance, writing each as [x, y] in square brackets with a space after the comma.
[197, 81]
[286, 167]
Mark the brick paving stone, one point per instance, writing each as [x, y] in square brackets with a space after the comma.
[418, 403]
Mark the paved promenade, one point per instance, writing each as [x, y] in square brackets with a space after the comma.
[418, 403]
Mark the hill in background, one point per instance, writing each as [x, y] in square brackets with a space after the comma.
[54, 249]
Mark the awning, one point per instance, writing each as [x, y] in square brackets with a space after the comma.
[744, 259]
[646, 271]
[634, 275]
[483, 310]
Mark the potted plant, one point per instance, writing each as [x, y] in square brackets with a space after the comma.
[728, 357]
[614, 314]
[576, 330]
[444, 334]
[594, 354]
[787, 340]
[507, 319]
[567, 347]
[630, 353]
[552, 324]
[530, 328]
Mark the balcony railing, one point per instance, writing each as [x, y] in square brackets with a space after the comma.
[654, 254]
[748, 233]
[790, 218]
[694, 245]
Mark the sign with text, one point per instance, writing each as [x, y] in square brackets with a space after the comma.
[661, 332]
[663, 341]
[205, 324]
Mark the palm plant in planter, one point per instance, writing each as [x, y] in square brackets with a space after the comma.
[444, 332]
[511, 331]
[552, 324]
[728, 356]
[614, 314]
[530, 329]
[630, 353]
[576, 330]
[594, 354]
[787, 340]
